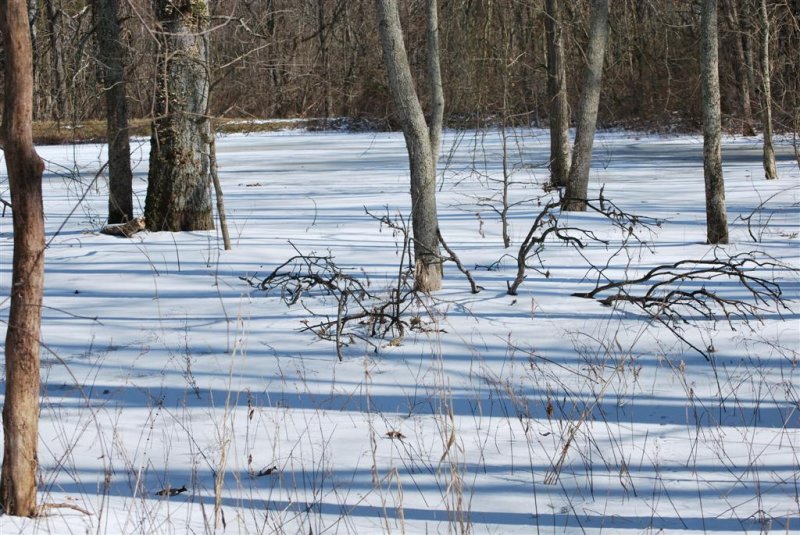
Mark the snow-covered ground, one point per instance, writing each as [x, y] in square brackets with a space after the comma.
[163, 368]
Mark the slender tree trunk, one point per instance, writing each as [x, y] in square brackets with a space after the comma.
[25, 168]
[740, 67]
[111, 70]
[578, 184]
[179, 183]
[322, 39]
[716, 215]
[435, 81]
[33, 15]
[57, 57]
[557, 93]
[428, 263]
[770, 170]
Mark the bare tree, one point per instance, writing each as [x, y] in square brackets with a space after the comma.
[557, 93]
[740, 65]
[112, 59]
[25, 168]
[428, 262]
[178, 189]
[435, 80]
[716, 216]
[770, 170]
[578, 183]
[59, 87]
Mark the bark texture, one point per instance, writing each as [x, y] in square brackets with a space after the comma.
[578, 183]
[179, 183]
[716, 215]
[557, 93]
[111, 71]
[25, 168]
[57, 60]
[428, 262]
[435, 80]
[740, 66]
[770, 171]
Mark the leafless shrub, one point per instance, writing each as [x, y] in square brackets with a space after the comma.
[548, 226]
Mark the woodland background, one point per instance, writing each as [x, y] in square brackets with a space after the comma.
[322, 59]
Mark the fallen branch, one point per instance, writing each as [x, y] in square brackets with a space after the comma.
[665, 293]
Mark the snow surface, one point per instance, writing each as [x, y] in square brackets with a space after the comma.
[162, 367]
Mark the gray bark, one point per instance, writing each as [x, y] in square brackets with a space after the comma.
[179, 183]
[112, 59]
[716, 215]
[428, 263]
[56, 55]
[435, 81]
[770, 171]
[578, 183]
[740, 67]
[557, 93]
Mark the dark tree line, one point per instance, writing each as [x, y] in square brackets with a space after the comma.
[322, 58]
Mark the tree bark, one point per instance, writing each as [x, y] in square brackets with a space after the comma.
[25, 168]
[740, 67]
[716, 216]
[111, 71]
[770, 171]
[428, 262]
[179, 185]
[578, 183]
[57, 58]
[557, 93]
[435, 81]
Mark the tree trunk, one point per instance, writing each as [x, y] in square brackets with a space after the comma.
[178, 189]
[740, 67]
[57, 56]
[428, 263]
[578, 183]
[770, 170]
[716, 216]
[25, 168]
[557, 93]
[435, 81]
[111, 70]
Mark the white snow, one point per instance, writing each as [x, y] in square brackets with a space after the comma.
[162, 368]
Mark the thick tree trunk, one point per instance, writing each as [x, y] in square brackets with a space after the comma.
[740, 67]
[111, 70]
[557, 93]
[770, 171]
[428, 263]
[179, 186]
[578, 183]
[25, 168]
[716, 216]
[435, 81]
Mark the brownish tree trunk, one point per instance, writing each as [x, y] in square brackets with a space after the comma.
[716, 215]
[25, 168]
[578, 183]
[111, 59]
[557, 93]
[770, 171]
[179, 182]
[424, 220]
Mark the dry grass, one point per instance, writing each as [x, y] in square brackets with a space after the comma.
[94, 131]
